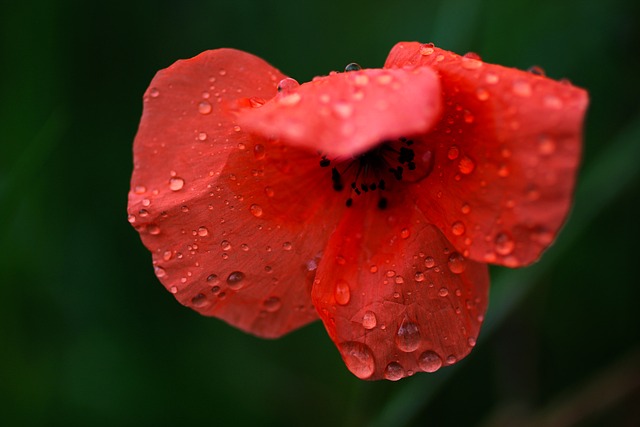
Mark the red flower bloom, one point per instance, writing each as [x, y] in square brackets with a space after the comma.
[371, 198]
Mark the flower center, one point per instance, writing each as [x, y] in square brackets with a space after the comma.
[379, 171]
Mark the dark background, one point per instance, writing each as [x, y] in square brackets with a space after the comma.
[88, 336]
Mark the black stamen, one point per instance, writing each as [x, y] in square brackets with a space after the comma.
[337, 180]
[382, 203]
[349, 202]
[324, 162]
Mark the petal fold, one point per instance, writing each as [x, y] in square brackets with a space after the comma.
[395, 296]
[345, 114]
[507, 151]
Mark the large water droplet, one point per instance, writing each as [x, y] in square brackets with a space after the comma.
[236, 280]
[466, 165]
[394, 371]
[204, 107]
[203, 231]
[358, 358]
[256, 210]
[429, 361]
[160, 272]
[342, 292]
[199, 300]
[369, 320]
[408, 337]
[453, 152]
[176, 183]
[457, 228]
[504, 243]
[457, 263]
[288, 85]
[272, 304]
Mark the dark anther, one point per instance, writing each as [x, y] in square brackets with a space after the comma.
[352, 67]
[336, 179]
[349, 202]
[411, 166]
[382, 185]
[364, 187]
[373, 187]
[324, 162]
[406, 155]
[382, 203]
[397, 172]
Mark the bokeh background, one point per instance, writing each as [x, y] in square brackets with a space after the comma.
[88, 336]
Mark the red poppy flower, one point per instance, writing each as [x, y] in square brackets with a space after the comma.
[372, 199]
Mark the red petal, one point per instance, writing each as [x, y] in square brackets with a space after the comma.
[348, 113]
[216, 206]
[394, 296]
[507, 149]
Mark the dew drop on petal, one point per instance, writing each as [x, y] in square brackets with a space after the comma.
[419, 277]
[546, 145]
[287, 246]
[204, 107]
[199, 300]
[154, 92]
[342, 292]
[451, 359]
[358, 358]
[153, 229]
[258, 151]
[202, 136]
[212, 279]
[429, 262]
[287, 85]
[429, 361]
[160, 272]
[176, 183]
[426, 49]
[458, 228]
[394, 371]
[203, 231]
[225, 245]
[272, 304]
[405, 233]
[256, 210]
[466, 165]
[236, 280]
[457, 263]
[522, 88]
[465, 208]
[453, 152]
[369, 320]
[408, 337]
[443, 292]
[504, 243]
[482, 94]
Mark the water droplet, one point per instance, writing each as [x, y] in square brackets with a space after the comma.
[469, 62]
[131, 218]
[408, 337]
[471, 341]
[443, 292]
[358, 358]
[466, 165]
[458, 228]
[394, 371]
[453, 153]
[173, 289]
[154, 92]
[236, 280]
[465, 208]
[204, 107]
[369, 320]
[399, 280]
[491, 78]
[343, 110]
[342, 292]
[553, 102]
[203, 231]
[504, 244]
[287, 85]
[202, 136]
[259, 152]
[199, 300]
[160, 272]
[225, 245]
[405, 233]
[451, 359]
[482, 94]
[429, 361]
[373, 269]
[503, 171]
[429, 262]
[419, 277]
[522, 88]
[256, 210]
[427, 49]
[352, 67]
[176, 183]
[546, 145]
[212, 279]
[287, 246]
[153, 229]
[272, 304]
[457, 263]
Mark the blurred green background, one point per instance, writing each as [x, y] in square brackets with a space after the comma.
[88, 336]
